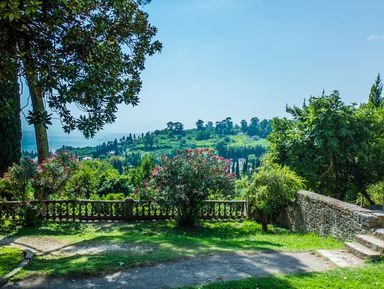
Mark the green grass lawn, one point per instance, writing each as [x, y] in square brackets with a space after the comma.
[10, 257]
[165, 242]
[367, 276]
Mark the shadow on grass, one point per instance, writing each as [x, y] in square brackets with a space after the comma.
[251, 283]
[161, 240]
[212, 229]
[371, 275]
[141, 244]
[176, 273]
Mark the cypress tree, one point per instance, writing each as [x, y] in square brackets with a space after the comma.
[245, 167]
[10, 123]
[237, 169]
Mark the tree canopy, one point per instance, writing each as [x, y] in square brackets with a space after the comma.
[85, 53]
[336, 147]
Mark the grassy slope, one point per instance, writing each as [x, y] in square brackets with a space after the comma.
[167, 242]
[237, 140]
[174, 143]
[10, 257]
[368, 276]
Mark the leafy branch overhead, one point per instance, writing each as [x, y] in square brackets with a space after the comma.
[84, 53]
[39, 117]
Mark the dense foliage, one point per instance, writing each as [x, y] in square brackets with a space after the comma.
[270, 189]
[189, 178]
[376, 192]
[16, 184]
[62, 176]
[337, 148]
[10, 124]
[96, 180]
[53, 174]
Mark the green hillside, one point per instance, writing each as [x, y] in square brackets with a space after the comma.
[244, 141]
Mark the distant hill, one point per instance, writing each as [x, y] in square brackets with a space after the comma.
[247, 141]
[243, 143]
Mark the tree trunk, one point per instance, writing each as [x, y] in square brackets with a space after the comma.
[40, 130]
[264, 222]
[188, 216]
[37, 106]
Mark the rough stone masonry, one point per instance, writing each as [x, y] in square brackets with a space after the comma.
[326, 216]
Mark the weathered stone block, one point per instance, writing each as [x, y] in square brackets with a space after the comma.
[312, 212]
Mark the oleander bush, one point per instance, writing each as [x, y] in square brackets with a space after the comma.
[188, 179]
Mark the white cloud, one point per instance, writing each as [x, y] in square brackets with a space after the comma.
[376, 37]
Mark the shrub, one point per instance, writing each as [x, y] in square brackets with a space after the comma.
[53, 174]
[203, 135]
[31, 215]
[376, 192]
[110, 182]
[187, 179]
[114, 197]
[270, 189]
[16, 182]
[97, 178]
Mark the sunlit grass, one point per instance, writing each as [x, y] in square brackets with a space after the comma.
[367, 276]
[10, 257]
[166, 242]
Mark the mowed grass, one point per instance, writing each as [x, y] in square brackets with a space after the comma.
[10, 257]
[366, 277]
[160, 241]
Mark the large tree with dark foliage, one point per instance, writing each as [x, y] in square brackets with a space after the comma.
[10, 125]
[84, 53]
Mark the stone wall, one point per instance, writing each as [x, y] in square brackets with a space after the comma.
[312, 212]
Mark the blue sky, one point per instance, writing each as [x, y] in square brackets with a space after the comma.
[245, 58]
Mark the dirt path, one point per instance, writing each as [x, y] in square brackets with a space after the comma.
[55, 247]
[198, 270]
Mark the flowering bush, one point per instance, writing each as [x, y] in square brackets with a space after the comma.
[16, 182]
[188, 179]
[53, 173]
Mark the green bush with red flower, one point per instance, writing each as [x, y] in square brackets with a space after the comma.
[27, 180]
[53, 174]
[16, 183]
[188, 179]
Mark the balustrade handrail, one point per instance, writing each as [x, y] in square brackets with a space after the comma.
[107, 201]
[128, 209]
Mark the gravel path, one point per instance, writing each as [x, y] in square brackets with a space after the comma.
[194, 271]
[55, 247]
